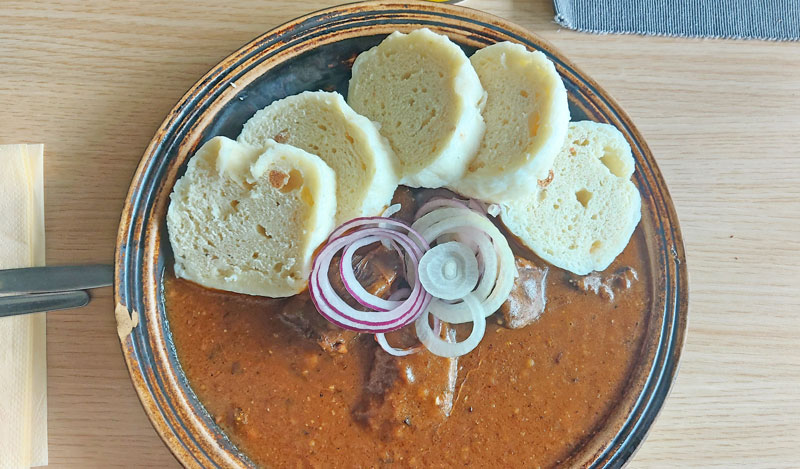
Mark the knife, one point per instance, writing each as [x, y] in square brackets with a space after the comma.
[24, 304]
[49, 279]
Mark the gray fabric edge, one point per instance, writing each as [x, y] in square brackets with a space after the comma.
[565, 17]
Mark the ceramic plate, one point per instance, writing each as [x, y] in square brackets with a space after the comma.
[316, 52]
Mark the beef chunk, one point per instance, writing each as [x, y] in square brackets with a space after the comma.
[528, 297]
[383, 373]
[376, 268]
[606, 286]
[408, 205]
[402, 393]
[302, 317]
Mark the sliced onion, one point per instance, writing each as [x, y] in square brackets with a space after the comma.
[438, 346]
[498, 260]
[477, 206]
[378, 221]
[449, 271]
[400, 294]
[381, 338]
[355, 289]
[470, 272]
[391, 210]
[438, 202]
[397, 352]
[387, 315]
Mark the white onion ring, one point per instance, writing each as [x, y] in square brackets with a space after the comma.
[438, 202]
[498, 262]
[397, 352]
[441, 347]
[391, 210]
[449, 271]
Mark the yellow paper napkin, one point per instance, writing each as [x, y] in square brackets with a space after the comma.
[23, 359]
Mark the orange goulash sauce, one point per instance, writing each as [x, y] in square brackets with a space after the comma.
[524, 398]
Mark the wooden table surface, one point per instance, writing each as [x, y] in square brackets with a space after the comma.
[93, 79]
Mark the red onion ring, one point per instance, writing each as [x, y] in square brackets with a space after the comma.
[386, 315]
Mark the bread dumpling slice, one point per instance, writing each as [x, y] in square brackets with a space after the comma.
[526, 117]
[422, 90]
[583, 219]
[248, 219]
[323, 124]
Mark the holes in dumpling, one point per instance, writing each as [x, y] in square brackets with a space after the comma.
[235, 205]
[594, 217]
[523, 93]
[612, 161]
[581, 143]
[596, 245]
[278, 267]
[255, 255]
[322, 127]
[428, 119]
[294, 182]
[583, 197]
[542, 195]
[263, 232]
[406, 76]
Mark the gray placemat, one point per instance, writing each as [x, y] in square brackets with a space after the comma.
[748, 19]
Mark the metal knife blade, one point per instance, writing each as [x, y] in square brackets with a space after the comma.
[55, 278]
[24, 304]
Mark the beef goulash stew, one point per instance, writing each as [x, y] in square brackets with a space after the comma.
[326, 314]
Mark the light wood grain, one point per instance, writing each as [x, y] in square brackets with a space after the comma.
[93, 79]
